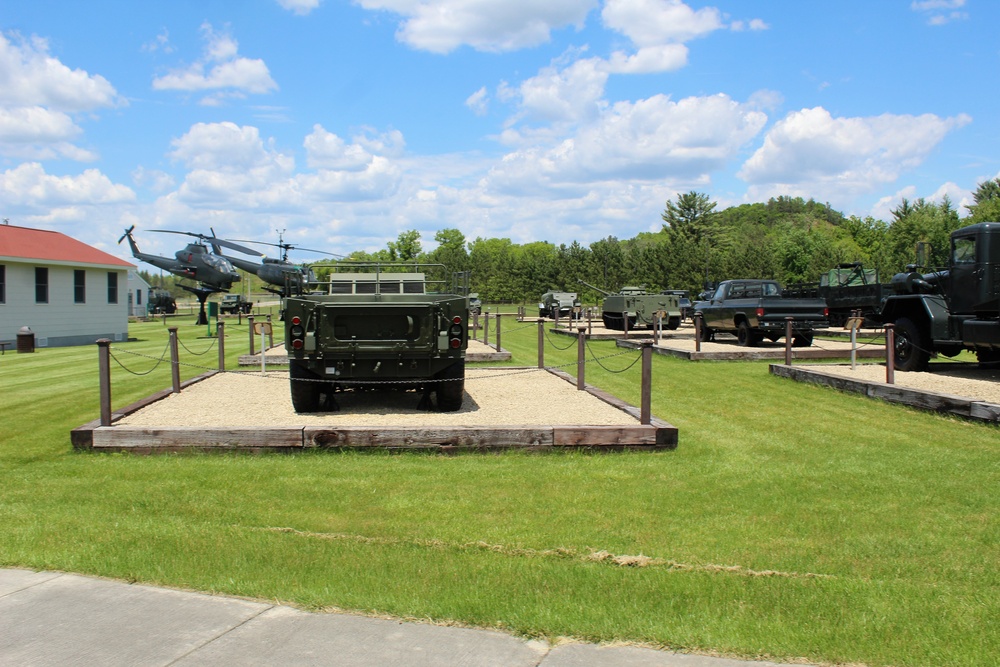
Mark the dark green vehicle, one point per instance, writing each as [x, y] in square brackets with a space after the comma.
[558, 305]
[639, 308]
[375, 327]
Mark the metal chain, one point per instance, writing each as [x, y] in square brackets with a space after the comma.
[159, 360]
[197, 354]
[256, 373]
[634, 361]
[548, 336]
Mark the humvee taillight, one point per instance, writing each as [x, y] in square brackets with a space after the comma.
[297, 333]
[760, 312]
[456, 320]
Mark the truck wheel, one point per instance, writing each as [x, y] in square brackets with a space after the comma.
[305, 389]
[451, 388]
[744, 335]
[706, 334]
[987, 356]
[673, 323]
[802, 340]
[910, 352]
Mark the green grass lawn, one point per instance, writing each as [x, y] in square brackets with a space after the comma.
[792, 520]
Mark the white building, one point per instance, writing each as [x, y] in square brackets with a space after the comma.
[138, 294]
[65, 291]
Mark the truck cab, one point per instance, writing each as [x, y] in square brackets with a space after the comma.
[955, 309]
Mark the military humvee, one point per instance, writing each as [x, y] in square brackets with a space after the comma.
[375, 326]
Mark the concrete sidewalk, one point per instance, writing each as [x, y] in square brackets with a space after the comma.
[51, 618]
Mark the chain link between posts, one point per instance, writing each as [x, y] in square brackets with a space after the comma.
[256, 373]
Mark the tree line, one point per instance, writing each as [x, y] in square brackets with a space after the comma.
[788, 239]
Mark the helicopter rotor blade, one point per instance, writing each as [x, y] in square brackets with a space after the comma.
[214, 239]
[289, 246]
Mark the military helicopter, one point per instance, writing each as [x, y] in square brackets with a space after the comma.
[213, 272]
[272, 270]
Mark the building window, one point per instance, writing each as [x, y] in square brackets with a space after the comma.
[138, 297]
[41, 284]
[3, 284]
[79, 286]
[112, 287]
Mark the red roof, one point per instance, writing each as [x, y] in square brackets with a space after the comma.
[46, 246]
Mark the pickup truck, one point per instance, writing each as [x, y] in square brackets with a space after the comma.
[755, 310]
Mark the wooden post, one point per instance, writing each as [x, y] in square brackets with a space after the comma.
[890, 353]
[699, 323]
[220, 328]
[175, 362]
[498, 331]
[486, 328]
[475, 325]
[590, 321]
[541, 343]
[581, 357]
[270, 334]
[104, 372]
[250, 325]
[625, 323]
[788, 341]
[645, 409]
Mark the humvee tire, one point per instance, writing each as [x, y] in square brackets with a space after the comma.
[451, 387]
[305, 388]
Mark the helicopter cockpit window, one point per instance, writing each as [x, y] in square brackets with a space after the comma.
[218, 263]
[964, 251]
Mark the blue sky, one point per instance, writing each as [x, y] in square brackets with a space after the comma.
[344, 123]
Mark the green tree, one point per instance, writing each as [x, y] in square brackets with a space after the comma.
[691, 212]
[987, 202]
[406, 247]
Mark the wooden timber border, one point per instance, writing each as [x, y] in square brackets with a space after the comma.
[754, 354]
[960, 406]
[657, 435]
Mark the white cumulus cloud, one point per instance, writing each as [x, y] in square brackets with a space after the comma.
[812, 150]
[28, 185]
[40, 95]
[220, 69]
[299, 7]
[441, 26]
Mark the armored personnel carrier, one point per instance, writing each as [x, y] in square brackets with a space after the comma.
[639, 307]
[376, 326]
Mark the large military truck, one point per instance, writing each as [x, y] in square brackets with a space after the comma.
[949, 310]
[376, 327]
[848, 288]
[638, 307]
[161, 302]
[232, 304]
[558, 305]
